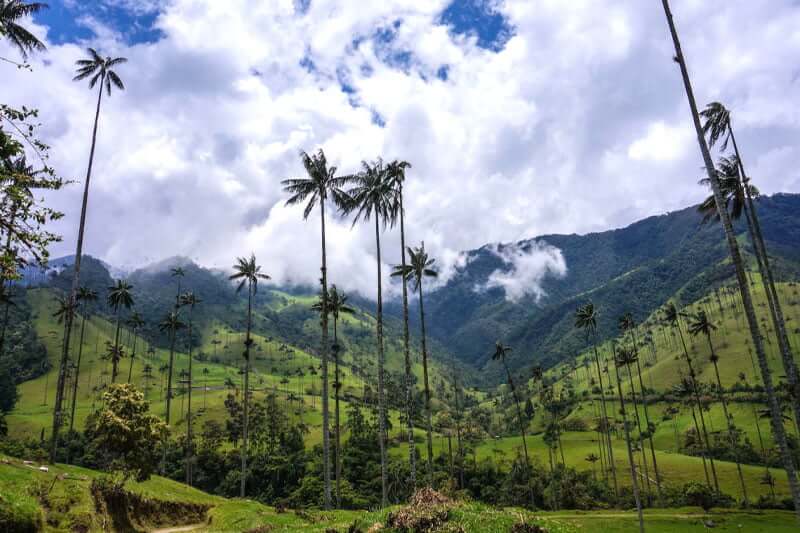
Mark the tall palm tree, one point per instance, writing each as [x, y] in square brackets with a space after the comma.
[247, 272]
[396, 170]
[190, 300]
[11, 11]
[337, 305]
[628, 324]
[119, 296]
[100, 71]
[373, 195]
[586, 319]
[320, 184]
[701, 325]
[419, 268]
[135, 322]
[741, 276]
[672, 317]
[86, 296]
[719, 126]
[500, 353]
[170, 325]
[628, 357]
[618, 362]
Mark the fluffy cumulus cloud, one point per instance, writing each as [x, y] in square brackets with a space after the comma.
[519, 118]
[526, 268]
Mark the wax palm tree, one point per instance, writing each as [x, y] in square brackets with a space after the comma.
[396, 171]
[373, 196]
[419, 268]
[592, 459]
[86, 296]
[190, 300]
[500, 353]
[701, 325]
[741, 276]
[135, 322]
[119, 296]
[100, 71]
[170, 325]
[11, 11]
[628, 325]
[247, 273]
[337, 305]
[320, 184]
[672, 317]
[618, 362]
[586, 319]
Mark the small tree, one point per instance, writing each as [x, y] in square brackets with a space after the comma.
[125, 431]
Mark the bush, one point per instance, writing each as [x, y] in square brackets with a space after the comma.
[698, 495]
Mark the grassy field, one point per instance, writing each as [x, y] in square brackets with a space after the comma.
[70, 503]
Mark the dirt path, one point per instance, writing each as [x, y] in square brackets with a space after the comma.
[178, 529]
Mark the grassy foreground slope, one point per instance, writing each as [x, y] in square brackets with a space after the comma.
[62, 499]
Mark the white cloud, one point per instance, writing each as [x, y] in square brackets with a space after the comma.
[526, 268]
[580, 123]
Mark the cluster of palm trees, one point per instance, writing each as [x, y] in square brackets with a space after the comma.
[374, 194]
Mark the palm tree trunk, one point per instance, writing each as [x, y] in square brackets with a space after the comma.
[246, 392]
[428, 415]
[115, 356]
[336, 422]
[702, 447]
[747, 302]
[133, 356]
[696, 392]
[634, 479]
[605, 423]
[62, 367]
[189, 443]
[519, 414]
[412, 449]
[77, 374]
[169, 395]
[728, 421]
[381, 363]
[639, 427]
[7, 305]
[650, 429]
[326, 438]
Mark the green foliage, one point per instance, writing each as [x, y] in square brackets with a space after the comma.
[123, 432]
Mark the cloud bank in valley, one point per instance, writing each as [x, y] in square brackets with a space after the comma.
[527, 266]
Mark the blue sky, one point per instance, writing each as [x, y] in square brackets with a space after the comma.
[520, 118]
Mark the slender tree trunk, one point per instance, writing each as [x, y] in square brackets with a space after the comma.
[696, 392]
[246, 396]
[326, 437]
[172, 335]
[337, 391]
[412, 449]
[133, 357]
[650, 429]
[115, 355]
[428, 415]
[7, 305]
[634, 479]
[605, 423]
[747, 302]
[62, 367]
[77, 375]
[189, 441]
[639, 427]
[702, 445]
[381, 363]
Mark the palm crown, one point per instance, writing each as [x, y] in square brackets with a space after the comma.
[10, 12]
[717, 124]
[246, 270]
[189, 299]
[135, 321]
[586, 317]
[373, 193]
[337, 303]
[701, 324]
[120, 295]
[500, 352]
[732, 188]
[419, 266]
[321, 182]
[99, 69]
[171, 323]
[85, 294]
